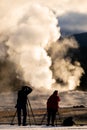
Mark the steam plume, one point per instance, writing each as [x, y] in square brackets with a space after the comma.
[66, 68]
[36, 29]
[26, 42]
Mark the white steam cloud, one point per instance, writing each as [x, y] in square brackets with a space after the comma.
[33, 32]
[26, 40]
[67, 70]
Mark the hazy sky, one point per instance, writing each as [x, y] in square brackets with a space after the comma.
[72, 14]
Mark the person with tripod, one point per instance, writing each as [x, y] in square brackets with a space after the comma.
[52, 107]
[21, 104]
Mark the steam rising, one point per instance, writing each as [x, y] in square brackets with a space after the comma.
[33, 30]
[36, 29]
[66, 69]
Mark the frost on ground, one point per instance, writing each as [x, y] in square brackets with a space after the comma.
[39, 102]
[15, 127]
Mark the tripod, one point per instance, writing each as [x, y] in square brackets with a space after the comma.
[29, 109]
[29, 105]
[46, 115]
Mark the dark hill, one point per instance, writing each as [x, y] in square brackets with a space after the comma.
[80, 55]
[81, 38]
[82, 41]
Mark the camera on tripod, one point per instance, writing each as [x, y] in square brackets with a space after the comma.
[23, 104]
[25, 88]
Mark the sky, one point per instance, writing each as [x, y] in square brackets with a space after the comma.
[72, 14]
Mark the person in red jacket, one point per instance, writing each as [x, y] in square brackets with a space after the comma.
[52, 107]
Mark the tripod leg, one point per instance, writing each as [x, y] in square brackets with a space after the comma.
[13, 118]
[58, 117]
[43, 118]
[31, 111]
[28, 114]
[56, 120]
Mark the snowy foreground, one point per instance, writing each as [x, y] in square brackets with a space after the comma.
[15, 127]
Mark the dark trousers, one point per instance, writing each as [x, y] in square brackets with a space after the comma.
[51, 115]
[21, 110]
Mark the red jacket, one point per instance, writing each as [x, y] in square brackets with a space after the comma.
[53, 101]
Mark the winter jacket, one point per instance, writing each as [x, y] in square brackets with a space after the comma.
[53, 101]
[22, 96]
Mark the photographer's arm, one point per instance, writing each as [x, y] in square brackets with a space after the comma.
[29, 90]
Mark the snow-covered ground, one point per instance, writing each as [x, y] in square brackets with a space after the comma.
[8, 100]
[15, 127]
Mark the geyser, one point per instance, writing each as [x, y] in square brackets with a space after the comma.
[27, 39]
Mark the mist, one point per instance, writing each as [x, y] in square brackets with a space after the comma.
[31, 52]
[66, 67]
